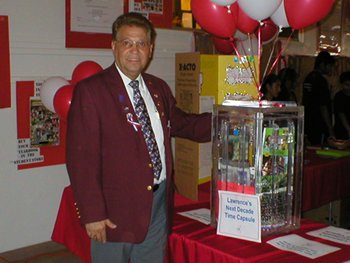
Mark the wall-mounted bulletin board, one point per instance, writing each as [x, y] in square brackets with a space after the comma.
[5, 77]
[41, 135]
[89, 23]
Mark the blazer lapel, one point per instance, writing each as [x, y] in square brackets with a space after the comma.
[156, 96]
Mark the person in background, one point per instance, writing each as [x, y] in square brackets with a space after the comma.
[270, 87]
[317, 101]
[342, 108]
[119, 156]
[288, 78]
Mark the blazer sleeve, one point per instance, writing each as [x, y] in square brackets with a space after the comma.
[84, 155]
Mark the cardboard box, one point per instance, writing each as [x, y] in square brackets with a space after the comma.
[202, 81]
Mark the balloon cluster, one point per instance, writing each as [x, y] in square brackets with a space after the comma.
[229, 20]
[56, 92]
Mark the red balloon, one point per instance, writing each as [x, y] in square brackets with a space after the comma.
[85, 69]
[62, 101]
[268, 31]
[245, 23]
[224, 46]
[215, 19]
[303, 13]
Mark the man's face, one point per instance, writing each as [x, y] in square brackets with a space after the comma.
[132, 50]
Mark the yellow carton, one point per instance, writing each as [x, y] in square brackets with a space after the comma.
[202, 81]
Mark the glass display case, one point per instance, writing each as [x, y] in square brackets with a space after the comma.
[258, 149]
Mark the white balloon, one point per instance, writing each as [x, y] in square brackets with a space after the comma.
[49, 89]
[280, 17]
[259, 10]
[223, 2]
[240, 36]
[248, 47]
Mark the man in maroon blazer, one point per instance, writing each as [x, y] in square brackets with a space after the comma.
[123, 206]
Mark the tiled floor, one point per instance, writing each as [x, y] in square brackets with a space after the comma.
[48, 252]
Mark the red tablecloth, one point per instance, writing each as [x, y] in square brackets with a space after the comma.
[194, 242]
[325, 180]
[69, 232]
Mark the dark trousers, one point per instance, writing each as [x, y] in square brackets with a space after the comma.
[151, 250]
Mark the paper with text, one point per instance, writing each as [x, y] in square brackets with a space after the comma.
[239, 216]
[332, 233]
[302, 246]
[202, 215]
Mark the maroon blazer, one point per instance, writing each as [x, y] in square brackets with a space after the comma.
[107, 160]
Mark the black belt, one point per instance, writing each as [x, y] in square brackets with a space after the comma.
[155, 187]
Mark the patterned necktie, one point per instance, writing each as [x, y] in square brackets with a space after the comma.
[148, 134]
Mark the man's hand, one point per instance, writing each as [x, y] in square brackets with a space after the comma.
[97, 230]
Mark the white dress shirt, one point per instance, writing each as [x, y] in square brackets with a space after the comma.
[153, 114]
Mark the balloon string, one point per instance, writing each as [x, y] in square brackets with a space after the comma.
[270, 57]
[281, 51]
[248, 60]
[259, 64]
[242, 61]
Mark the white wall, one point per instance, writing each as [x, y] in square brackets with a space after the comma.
[29, 198]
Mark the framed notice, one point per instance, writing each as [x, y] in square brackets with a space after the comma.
[89, 22]
[5, 77]
[41, 135]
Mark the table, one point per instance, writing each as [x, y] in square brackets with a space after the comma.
[194, 242]
[324, 180]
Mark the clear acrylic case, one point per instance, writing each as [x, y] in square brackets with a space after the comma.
[258, 149]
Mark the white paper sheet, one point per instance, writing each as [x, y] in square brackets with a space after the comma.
[94, 16]
[239, 216]
[302, 246]
[202, 215]
[335, 234]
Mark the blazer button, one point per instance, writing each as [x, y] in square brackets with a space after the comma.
[150, 165]
[149, 188]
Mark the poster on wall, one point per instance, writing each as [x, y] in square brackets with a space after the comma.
[146, 6]
[41, 135]
[89, 22]
[94, 16]
[44, 125]
[5, 78]
[160, 12]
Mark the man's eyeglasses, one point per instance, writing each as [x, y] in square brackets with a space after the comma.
[128, 43]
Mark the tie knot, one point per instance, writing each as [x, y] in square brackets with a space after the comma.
[134, 84]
